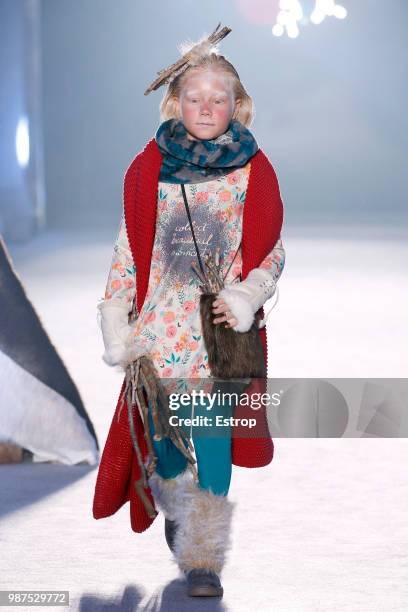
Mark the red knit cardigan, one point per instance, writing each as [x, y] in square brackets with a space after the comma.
[261, 228]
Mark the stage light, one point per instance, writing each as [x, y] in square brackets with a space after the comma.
[277, 29]
[326, 6]
[23, 142]
[340, 12]
[291, 13]
[292, 30]
[317, 17]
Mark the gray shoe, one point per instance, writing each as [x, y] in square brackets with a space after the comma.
[170, 528]
[203, 583]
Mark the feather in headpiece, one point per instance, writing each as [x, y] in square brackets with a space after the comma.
[191, 54]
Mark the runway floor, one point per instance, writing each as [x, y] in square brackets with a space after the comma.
[322, 528]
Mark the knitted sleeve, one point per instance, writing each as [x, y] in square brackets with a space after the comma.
[121, 283]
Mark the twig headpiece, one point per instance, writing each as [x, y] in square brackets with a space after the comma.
[189, 58]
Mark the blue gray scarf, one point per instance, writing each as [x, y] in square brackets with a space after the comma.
[196, 161]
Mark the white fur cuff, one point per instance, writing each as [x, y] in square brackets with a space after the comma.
[240, 307]
[124, 354]
[167, 492]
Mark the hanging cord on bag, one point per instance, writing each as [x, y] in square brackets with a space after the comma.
[211, 265]
[206, 283]
[194, 238]
[262, 323]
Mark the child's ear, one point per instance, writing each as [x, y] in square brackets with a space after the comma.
[237, 108]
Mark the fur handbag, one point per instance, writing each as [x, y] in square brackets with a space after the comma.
[231, 354]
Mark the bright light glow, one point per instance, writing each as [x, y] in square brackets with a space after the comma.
[291, 14]
[297, 11]
[283, 18]
[284, 5]
[259, 12]
[340, 12]
[317, 17]
[293, 30]
[326, 6]
[277, 30]
[23, 142]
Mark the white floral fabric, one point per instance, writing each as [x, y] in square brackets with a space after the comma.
[169, 323]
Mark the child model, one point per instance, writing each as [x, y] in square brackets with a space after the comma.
[231, 203]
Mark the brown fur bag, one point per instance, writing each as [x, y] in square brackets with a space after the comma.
[231, 354]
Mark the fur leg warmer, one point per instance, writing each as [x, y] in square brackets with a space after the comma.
[167, 492]
[203, 537]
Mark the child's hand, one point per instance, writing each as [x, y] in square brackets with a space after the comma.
[221, 307]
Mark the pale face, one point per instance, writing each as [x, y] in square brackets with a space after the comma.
[206, 104]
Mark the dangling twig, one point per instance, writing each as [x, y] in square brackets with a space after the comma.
[141, 380]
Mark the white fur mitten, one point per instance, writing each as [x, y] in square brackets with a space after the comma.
[246, 297]
[121, 346]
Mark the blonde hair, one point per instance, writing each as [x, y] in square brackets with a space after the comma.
[217, 63]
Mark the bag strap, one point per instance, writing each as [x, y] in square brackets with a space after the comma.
[183, 190]
[192, 231]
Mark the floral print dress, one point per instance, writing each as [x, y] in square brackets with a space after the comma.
[169, 323]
